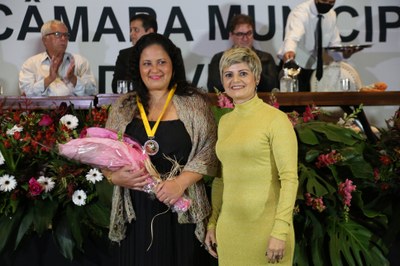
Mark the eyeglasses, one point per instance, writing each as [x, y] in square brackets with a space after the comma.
[242, 34]
[58, 34]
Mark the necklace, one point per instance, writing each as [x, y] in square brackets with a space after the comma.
[151, 146]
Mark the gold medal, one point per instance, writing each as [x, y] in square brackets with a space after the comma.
[151, 146]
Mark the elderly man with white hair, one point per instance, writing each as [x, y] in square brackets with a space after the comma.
[56, 72]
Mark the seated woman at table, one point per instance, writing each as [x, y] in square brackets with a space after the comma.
[174, 116]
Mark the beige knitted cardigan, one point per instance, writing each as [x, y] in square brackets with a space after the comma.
[199, 122]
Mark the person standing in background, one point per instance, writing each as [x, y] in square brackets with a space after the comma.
[300, 42]
[241, 33]
[56, 72]
[140, 24]
[253, 200]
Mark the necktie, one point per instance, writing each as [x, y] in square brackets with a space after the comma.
[319, 48]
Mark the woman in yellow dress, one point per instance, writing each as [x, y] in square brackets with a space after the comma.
[253, 201]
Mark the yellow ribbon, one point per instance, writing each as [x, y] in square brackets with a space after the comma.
[151, 132]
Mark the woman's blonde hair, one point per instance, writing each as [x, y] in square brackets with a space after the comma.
[237, 55]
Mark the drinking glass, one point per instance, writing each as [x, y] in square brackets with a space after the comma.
[344, 84]
[292, 67]
[122, 86]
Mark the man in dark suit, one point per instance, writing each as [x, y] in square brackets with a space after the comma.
[241, 30]
[140, 24]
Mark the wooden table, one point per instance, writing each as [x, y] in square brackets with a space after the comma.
[346, 100]
[52, 102]
[330, 98]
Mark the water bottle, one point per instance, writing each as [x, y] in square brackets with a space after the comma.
[286, 82]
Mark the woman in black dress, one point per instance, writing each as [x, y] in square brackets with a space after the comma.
[174, 123]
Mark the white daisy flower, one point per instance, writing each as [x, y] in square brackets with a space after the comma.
[7, 183]
[79, 197]
[94, 176]
[14, 129]
[2, 160]
[70, 121]
[47, 183]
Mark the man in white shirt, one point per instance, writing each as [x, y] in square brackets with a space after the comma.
[56, 72]
[300, 37]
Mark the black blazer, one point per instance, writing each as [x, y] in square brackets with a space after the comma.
[122, 69]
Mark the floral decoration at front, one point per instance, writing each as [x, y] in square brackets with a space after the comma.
[40, 190]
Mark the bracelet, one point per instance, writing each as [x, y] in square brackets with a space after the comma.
[109, 178]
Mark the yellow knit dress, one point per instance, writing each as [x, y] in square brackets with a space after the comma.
[254, 199]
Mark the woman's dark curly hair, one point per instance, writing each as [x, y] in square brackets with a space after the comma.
[178, 75]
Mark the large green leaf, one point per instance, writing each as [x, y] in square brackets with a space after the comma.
[75, 215]
[300, 253]
[316, 239]
[306, 135]
[63, 237]
[337, 133]
[353, 244]
[44, 211]
[8, 226]
[331, 131]
[311, 155]
[219, 112]
[104, 191]
[25, 225]
[377, 218]
[98, 214]
[313, 183]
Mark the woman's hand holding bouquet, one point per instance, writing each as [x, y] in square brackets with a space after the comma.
[123, 162]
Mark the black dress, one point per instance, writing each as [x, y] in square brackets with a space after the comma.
[172, 244]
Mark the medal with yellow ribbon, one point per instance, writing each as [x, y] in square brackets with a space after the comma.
[151, 146]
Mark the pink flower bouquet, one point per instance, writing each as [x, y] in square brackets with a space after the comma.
[104, 148]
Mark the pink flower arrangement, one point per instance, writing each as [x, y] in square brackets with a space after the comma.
[328, 159]
[273, 101]
[310, 113]
[315, 203]
[223, 100]
[345, 189]
[103, 148]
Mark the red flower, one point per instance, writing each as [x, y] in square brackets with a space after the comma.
[35, 188]
[46, 120]
[385, 186]
[7, 144]
[17, 135]
[385, 159]
[26, 149]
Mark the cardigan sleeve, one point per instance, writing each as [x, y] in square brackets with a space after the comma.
[199, 121]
